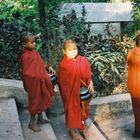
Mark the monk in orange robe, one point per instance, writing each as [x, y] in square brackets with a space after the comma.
[36, 81]
[72, 69]
[133, 61]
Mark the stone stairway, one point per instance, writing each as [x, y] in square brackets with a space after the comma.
[14, 123]
[12, 94]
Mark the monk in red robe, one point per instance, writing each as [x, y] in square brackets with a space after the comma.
[72, 69]
[133, 60]
[36, 81]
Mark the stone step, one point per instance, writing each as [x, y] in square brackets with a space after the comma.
[10, 128]
[114, 116]
[47, 132]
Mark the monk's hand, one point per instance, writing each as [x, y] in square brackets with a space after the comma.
[91, 87]
[51, 70]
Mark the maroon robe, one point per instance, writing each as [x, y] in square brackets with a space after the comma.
[36, 81]
[69, 75]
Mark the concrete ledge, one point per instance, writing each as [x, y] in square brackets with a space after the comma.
[11, 83]
[111, 106]
[10, 128]
[13, 89]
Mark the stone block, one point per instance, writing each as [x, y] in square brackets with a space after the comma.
[110, 106]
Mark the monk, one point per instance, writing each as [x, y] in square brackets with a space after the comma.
[72, 69]
[36, 81]
[133, 61]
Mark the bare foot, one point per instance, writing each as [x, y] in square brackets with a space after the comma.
[136, 134]
[42, 121]
[34, 127]
[75, 135]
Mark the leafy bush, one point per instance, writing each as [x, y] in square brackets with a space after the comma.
[10, 49]
[16, 17]
[108, 60]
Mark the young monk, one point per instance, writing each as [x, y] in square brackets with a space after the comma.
[133, 61]
[72, 69]
[36, 81]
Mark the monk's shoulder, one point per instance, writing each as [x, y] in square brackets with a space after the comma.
[36, 52]
[82, 58]
[30, 55]
[62, 63]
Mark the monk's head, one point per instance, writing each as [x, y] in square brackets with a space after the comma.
[28, 40]
[138, 40]
[70, 49]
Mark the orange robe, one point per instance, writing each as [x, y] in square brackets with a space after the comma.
[133, 61]
[36, 81]
[69, 75]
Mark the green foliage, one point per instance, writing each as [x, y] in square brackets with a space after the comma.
[10, 49]
[17, 16]
[54, 40]
[76, 28]
[108, 58]
[78, 1]
[136, 13]
[22, 12]
[136, 10]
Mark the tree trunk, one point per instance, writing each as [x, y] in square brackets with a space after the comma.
[42, 23]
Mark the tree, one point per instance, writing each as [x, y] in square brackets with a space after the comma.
[42, 15]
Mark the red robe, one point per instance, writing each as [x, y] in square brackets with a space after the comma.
[36, 81]
[69, 75]
[133, 60]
